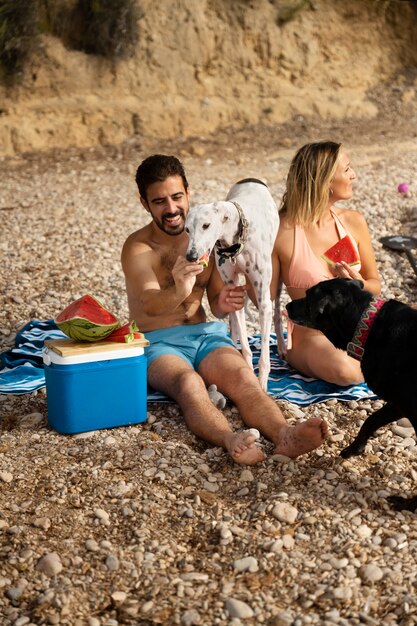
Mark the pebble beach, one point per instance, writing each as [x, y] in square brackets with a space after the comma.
[146, 524]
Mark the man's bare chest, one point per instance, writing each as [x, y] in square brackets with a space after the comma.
[166, 262]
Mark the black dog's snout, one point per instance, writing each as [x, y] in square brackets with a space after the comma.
[297, 311]
[288, 307]
[191, 255]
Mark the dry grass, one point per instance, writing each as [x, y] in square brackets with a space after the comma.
[18, 31]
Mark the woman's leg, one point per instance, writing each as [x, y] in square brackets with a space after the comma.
[314, 355]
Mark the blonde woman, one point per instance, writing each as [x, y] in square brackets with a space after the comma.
[319, 176]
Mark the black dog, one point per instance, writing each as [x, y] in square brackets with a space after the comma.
[383, 336]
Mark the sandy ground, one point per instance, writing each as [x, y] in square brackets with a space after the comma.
[146, 524]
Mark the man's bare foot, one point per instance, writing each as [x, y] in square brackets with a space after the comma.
[302, 438]
[243, 449]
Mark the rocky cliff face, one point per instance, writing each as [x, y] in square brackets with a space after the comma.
[200, 66]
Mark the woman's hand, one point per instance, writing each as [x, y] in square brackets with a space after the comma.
[343, 270]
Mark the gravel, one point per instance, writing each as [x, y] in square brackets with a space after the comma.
[146, 524]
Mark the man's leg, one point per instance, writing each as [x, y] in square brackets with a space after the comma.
[175, 378]
[226, 368]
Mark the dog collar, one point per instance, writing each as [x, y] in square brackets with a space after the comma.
[231, 252]
[356, 347]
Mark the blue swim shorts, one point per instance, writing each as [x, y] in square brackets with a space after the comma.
[191, 343]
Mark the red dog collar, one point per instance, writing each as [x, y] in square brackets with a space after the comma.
[356, 347]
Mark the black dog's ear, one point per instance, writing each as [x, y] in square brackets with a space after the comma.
[358, 283]
[323, 303]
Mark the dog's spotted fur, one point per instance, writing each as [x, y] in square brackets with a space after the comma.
[217, 225]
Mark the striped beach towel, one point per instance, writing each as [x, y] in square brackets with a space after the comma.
[21, 371]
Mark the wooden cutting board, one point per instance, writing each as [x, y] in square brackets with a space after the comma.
[69, 347]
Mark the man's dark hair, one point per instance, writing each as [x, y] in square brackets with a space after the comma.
[158, 168]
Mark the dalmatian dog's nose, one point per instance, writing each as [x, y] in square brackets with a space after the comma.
[191, 255]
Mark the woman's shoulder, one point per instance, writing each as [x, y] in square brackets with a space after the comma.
[284, 223]
[285, 228]
[354, 222]
[285, 237]
[350, 217]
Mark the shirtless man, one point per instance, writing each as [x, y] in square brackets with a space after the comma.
[187, 353]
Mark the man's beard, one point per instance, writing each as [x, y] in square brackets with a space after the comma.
[164, 225]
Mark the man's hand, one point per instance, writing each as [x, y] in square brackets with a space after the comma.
[184, 274]
[231, 298]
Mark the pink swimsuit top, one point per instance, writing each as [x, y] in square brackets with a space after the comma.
[306, 269]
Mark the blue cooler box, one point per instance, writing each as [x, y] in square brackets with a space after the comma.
[93, 386]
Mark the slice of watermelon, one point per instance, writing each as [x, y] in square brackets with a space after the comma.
[86, 319]
[204, 260]
[343, 250]
[126, 334]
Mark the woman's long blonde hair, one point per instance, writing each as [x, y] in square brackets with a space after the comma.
[308, 182]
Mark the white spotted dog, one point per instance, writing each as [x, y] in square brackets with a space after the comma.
[242, 230]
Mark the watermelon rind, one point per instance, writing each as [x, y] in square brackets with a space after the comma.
[339, 250]
[126, 338]
[80, 328]
[204, 260]
[126, 334]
